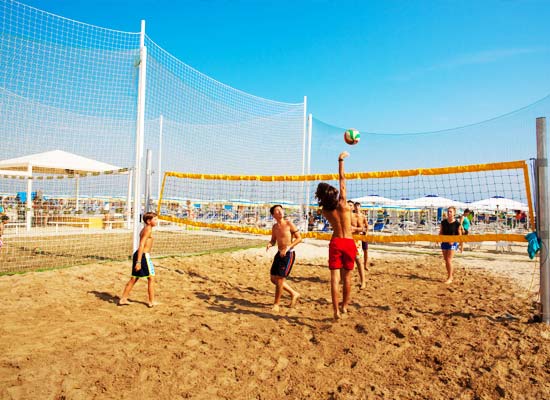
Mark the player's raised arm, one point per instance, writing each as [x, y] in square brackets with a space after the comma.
[341, 175]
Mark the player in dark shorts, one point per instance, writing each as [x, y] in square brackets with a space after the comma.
[285, 236]
[282, 265]
[142, 266]
[147, 268]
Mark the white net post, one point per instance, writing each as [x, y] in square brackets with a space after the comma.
[148, 173]
[543, 218]
[129, 199]
[139, 134]
[28, 207]
[159, 169]
[304, 141]
[308, 190]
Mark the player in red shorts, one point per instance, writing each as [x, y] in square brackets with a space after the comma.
[342, 250]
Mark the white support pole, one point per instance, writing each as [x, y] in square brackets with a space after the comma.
[309, 131]
[308, 172]
[129, 200]
[77, 190]
[304, 135]
[148, 165]
[159, 171]
[304, 187]
[28, 206]
[543, 218]
[139, 134]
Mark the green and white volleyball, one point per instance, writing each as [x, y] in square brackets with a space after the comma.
[352, 136]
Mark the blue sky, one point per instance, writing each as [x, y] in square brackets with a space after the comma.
[357, 61]
[380, 66]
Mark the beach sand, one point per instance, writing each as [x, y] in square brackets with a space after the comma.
[408, 335]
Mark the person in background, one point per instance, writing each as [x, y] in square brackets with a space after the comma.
[363, 224]
[449, 226]
[357, 229]
[465, 222]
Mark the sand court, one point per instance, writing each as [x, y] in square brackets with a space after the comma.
[214, 336]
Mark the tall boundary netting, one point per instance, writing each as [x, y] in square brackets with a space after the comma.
[205, 126]
[401, 206]
[70, 91]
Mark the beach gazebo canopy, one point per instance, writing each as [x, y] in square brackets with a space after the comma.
[55, 162]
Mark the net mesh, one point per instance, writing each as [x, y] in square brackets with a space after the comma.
[71, 86]
[401, 206]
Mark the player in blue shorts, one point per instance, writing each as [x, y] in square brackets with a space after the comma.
[449, 226]
[142, 266]
[285, 234]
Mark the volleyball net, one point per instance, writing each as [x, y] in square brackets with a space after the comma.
[400, 206]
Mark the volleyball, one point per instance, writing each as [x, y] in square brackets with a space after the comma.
[352, 136]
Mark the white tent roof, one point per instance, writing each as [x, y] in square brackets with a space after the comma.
[56, 162]
[498, 203]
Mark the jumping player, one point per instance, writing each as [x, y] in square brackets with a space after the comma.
[342, 250]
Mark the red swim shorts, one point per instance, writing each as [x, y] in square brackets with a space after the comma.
[341, 253]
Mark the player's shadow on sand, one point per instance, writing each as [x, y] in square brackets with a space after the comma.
[416, 277]
[312, 279]
[223, 283]
[246, 307]
[231, 300]
[109, 298]
[502, 319]
[263, 314]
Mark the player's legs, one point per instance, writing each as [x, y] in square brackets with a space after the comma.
[334, 289]
[366, 256]
[293, 293]
[448, 257]
[361, 271]
[346, 280]
[127, 289]
[151, 290]
[278, 281]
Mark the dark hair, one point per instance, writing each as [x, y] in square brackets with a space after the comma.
[327, 196]
[4, 218]
[467, 210]
[272, 209]
[148, 216]
[357, 204]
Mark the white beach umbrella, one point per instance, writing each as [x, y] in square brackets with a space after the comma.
[374, 199]
[434, 201]
[498, 203]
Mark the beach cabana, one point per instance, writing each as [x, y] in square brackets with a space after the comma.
[55, 162]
